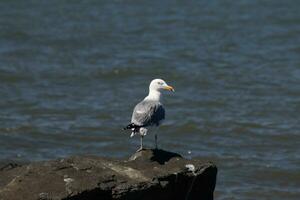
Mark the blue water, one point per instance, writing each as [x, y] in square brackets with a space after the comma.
[71, 73]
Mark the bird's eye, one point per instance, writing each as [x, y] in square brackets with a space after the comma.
[160, 83]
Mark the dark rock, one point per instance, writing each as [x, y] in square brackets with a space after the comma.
[148, 174]
[9, 166]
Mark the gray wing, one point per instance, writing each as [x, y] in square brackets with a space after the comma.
[148, 113]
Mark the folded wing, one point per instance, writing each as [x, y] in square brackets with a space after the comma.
[148, 113]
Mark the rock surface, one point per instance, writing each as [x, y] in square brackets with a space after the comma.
[148, 174]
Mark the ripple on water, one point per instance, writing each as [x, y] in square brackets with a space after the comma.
[71, 75]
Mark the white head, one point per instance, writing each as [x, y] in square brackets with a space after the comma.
[159, 85]
[156, 87]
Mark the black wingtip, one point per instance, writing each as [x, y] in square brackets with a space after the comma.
[131, 126]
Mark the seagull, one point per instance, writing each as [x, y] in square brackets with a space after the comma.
[149, 112]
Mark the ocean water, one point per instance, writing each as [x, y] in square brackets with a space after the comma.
[72, 71]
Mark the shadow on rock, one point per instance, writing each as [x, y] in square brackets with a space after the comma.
[154, 155]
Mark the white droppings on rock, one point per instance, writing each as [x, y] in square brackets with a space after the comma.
[68, 184]
[68, 180]
[190, 167]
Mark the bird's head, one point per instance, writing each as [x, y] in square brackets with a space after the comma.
[160, 85]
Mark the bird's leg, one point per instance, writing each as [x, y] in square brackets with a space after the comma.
[155, 137]
[141, 147]
[143, 132]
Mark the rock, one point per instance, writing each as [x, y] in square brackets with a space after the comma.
[148, 174]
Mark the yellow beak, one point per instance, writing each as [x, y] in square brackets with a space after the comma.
[170, 88]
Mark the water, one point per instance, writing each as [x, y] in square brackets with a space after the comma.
[70, 74]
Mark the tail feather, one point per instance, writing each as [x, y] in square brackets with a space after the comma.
[134, 128]
[130, 126]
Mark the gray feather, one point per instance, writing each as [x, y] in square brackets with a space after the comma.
[148, 113]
